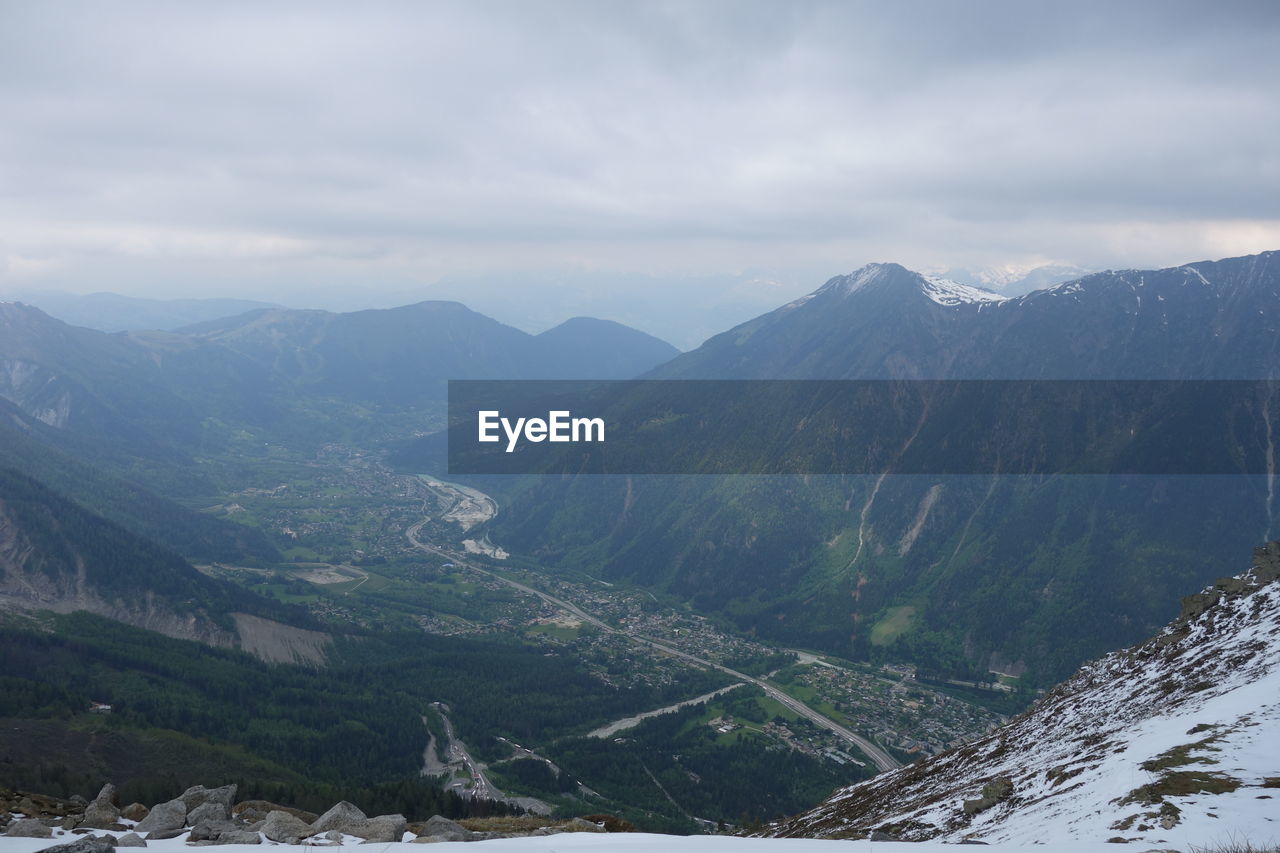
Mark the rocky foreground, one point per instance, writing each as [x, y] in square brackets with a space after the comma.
[211, 816]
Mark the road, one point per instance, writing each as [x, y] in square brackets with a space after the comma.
[456, 752]
[883, 760]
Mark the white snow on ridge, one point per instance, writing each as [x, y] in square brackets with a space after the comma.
[854, 281]
[1170, 743]
[944, 291]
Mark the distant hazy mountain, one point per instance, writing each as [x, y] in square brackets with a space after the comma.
[684, 310]
[404, 355]
[1018, 281]
[111, 312]
[144, 404]
[587, 348]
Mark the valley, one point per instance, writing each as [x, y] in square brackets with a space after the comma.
[413, 567]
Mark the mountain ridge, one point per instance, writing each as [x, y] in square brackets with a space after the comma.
[1140, 745]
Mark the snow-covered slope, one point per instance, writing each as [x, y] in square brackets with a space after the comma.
[1171, 742]
[944, 291]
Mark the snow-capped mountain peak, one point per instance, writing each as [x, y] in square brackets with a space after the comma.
[845, 285]
[1170, 742]
[942, 291]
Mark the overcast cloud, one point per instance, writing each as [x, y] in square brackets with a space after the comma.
[260, 148]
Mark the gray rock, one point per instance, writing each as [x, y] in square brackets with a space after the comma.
[877, 835]
[210, 829]
[79, 800]
[387, 827]
[997, 789]
[978, 805]
[341, 817]
[194, 798]
[1196, 605]
[579, 824]
[101, 814]
[210, 812]
[130, 839]
[239, 836]
[87, 844]
[164, 817]
[251, 811]
[107, 794]
[164, 834]
[28, 828]
[285, 828]
[134, 811]
[447, 830]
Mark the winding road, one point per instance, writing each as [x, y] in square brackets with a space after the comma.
[883, 760]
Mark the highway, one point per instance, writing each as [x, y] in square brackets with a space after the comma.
[882, 760]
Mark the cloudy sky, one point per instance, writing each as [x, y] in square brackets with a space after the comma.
[359, 152]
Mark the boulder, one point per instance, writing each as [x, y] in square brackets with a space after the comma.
[209, 830]
[101, 814]
[87, 844]
[580, 824]
[195, 797]
[239, 836]
[443, 829]
[251, 811]
[164, 834]
[877, 835]
[210, 812]
[107, 794]
[341, 817]
[130, 839]
[972, 807]
[385, 828]
[134, 811]
[285, 828]
[28, 828]
[998, 789]
[164, 817]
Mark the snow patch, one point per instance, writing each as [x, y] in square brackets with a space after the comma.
[944, 291]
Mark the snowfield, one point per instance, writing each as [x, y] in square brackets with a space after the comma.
[620, 842]
[944, 291]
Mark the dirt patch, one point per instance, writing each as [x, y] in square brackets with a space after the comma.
[276, 642]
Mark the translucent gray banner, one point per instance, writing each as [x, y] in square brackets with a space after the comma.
[863, 427]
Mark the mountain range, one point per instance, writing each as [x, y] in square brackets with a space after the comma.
[1022, 575]
[112, 312]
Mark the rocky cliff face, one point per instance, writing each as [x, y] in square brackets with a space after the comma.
[1171, 742]
[57, 556]
[25, 584]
